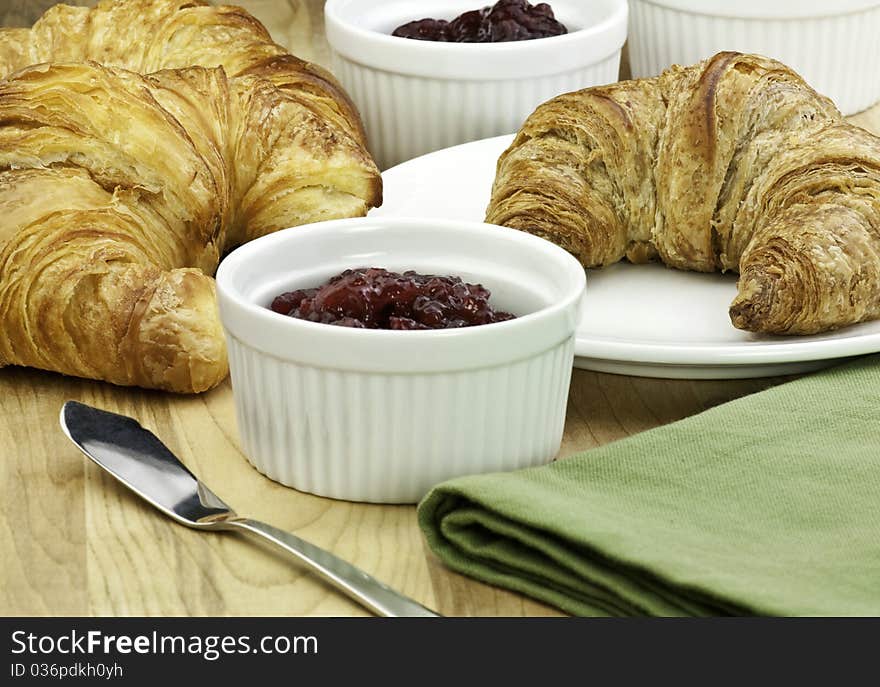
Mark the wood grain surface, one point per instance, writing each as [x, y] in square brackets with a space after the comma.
[73, 542]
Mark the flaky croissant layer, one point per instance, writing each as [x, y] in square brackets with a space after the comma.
[120, 192]
[731, 164]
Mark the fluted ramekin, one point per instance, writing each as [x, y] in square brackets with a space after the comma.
[381, 416]
[419, 96]
[833, 45]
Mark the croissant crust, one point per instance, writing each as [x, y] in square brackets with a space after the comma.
[731, 164]
[126, 174]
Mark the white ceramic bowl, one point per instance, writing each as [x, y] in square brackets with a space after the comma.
[833, 45]
[420, 96]
[381, 416]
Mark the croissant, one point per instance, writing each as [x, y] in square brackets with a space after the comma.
[733, 164]
[120, 192]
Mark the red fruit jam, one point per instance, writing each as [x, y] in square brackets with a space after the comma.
[506, 20]
[374, 298]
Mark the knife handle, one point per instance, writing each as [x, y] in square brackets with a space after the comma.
[363, 588]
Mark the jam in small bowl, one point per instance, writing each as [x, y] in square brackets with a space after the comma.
[376, 298]
[506, 20]
[477, 70]
[378, 414]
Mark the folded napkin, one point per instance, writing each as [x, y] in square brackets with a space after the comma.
[769, 505]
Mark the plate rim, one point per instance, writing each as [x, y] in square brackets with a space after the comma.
[693, 355]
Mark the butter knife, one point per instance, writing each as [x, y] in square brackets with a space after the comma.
[138, 459]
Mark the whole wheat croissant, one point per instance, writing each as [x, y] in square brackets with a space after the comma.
[120, 192]
[731, 164]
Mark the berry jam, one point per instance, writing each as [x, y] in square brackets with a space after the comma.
[374, 298]
[506, 20]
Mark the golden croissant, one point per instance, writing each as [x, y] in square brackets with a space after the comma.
[121, 191]
[731, 164]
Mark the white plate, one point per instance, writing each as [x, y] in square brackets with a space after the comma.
[638, 319]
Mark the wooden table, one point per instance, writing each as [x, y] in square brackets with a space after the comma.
[73, 542]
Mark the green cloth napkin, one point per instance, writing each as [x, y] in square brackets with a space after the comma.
[769, 505]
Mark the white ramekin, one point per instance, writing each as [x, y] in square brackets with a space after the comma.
[420, 96]
[833, 45]
[381, 416]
